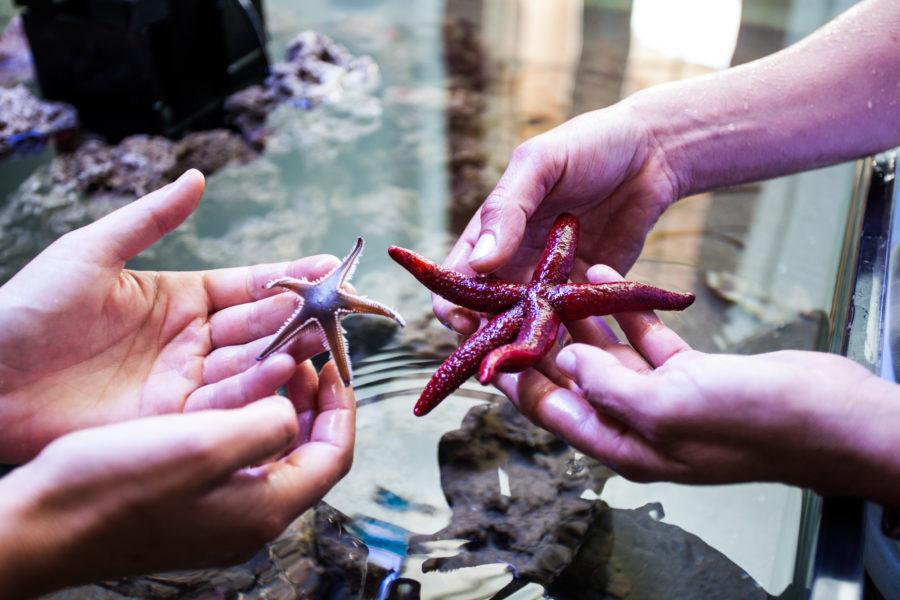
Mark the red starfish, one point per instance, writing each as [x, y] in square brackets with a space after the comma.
[528, 315]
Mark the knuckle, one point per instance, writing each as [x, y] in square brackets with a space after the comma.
[531, 150]
[493, 204]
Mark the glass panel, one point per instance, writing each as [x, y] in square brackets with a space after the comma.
[405, 157]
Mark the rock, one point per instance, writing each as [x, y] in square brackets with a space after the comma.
[141, 163]
[538, 525]
[79, 187]
[630, 554]
[316, 71]
[27, 124]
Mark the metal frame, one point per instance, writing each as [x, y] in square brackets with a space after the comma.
[838, 571]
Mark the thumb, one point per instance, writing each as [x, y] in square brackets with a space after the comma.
[528, 180]
[122, 234]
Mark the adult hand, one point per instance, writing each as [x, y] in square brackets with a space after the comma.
[84, 341]
[603, 166]
[174, 491]
[618, 168]
[658, 410]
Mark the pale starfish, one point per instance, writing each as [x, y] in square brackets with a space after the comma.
[322, 304]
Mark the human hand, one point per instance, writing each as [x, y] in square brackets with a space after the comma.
[602, 166]
[658, 410]
[174, 491]
[84, 341]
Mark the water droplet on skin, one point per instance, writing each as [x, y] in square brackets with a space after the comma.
[731, 127]
[869, 104]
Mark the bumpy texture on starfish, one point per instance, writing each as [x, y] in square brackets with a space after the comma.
[528, 315]
[322, 305]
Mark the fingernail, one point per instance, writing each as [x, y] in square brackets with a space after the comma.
[462, 322]
[485, 245]
[172, 184]
[190, 172]
[603, 274]
[184, 176]
[565, 360]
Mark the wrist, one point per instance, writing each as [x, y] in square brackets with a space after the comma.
[710, 135]
[871, 463]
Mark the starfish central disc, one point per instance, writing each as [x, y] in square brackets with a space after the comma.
[528, 316]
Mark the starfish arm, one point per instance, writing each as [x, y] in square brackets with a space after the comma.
[573, 301]
[474, 293]
[559, 252]
[464, 361]
[361, 304]
[296, 325]
[337, 345]
[348, 265]
[540, 325]
[298, 286]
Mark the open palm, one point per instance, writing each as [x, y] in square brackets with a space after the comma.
[84, 341]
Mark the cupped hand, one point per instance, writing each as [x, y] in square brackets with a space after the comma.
[658, 410]
[174, 491]
[84, 341]
[602, 166]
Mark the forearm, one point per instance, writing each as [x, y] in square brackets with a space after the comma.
[829, 98]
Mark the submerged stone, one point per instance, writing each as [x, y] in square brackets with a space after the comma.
[27, 123]
[537, 525]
